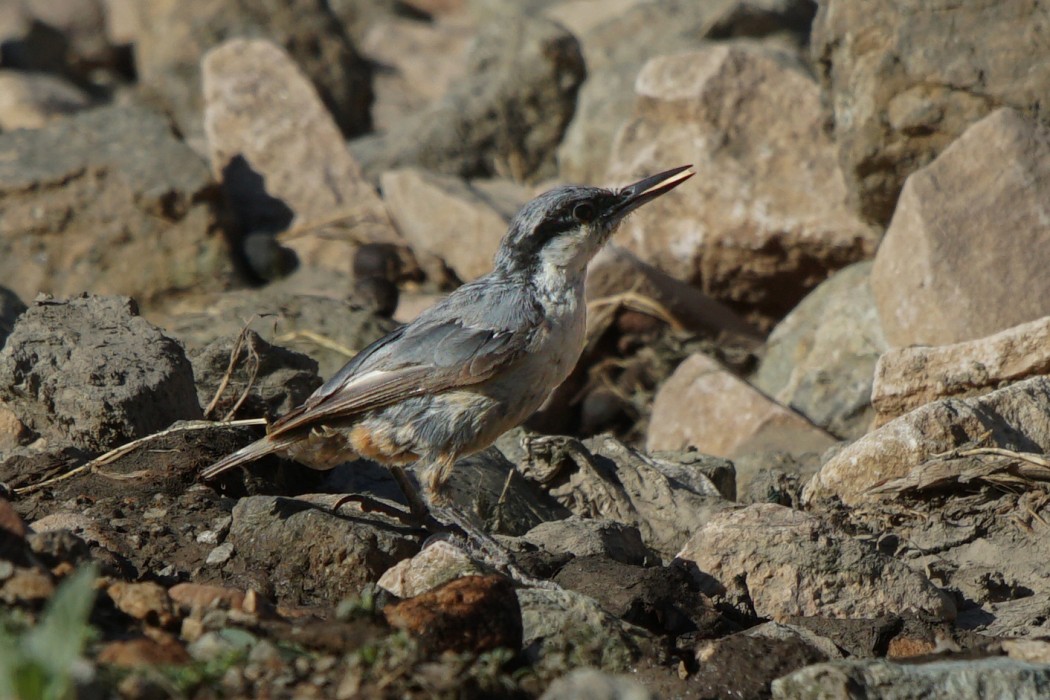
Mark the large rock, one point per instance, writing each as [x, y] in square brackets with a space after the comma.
[64, 37]
[767, 181]
[906, 378]
[281, 158]
[111, 201]
[965, 679]
[308, 553]
[666, 499]
[91, 372]
[618, 38]
[449, 218]
[177, 33]
[781, 562]
[506, 116]
[821, 358]
[703, 405]
[966, 253]
[902, 88]
[328, 330]
[420, 61]
[258, 380]
[1016, 417]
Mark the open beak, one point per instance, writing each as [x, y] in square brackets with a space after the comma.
[634, 196]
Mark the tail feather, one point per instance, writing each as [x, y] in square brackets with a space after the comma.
[259, 448]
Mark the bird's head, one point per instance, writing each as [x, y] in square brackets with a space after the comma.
[561, 230]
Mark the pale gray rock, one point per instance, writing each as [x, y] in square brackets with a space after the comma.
[779, 562]
[820, 360]
[906, 378]
[30, 100]
[937, 680]
[583, 537]
[591, 684]
[89, 371]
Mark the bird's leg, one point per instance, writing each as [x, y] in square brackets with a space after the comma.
[416, 505]
[480, 544]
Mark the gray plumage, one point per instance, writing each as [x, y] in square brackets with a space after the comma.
[474, 365]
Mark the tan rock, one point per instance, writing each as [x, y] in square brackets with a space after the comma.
[1016, 417]
[27, 586]
[164, 650]
[705, 406]
[767, 180]
[435, 565]
[445, 217]
[795, 564]
[30, 100]
[145, 601]
[199, 596]
[906, 378]
[966, 254]
[264, 119]
[902, 85]
[12, 431]
[420, 60]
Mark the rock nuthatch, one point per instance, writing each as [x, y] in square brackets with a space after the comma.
[474, 365]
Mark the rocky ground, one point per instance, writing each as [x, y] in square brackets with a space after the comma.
[804, 454]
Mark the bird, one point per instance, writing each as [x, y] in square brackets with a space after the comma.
[472, 366]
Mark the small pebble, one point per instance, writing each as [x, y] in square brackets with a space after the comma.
[220, 555]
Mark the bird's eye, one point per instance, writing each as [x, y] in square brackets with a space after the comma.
[583, 212]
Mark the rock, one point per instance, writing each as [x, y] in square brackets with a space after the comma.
[193, 597]
[781, 632]
[779, 562]
[473, 613]
[618, 38]
[966, 679]
[901, 92]
[13, 433]
[177, 34]
[436, 564]
[821, 358]
[107, 200]
[703, 405]
[330, 331]
[420, 60]
[664, 599]
[582, 537]
[265, 380]
[749, 120]
[1016, 417]
[906, 378]
[591, 684]
[220, 554]
[282, 159]
[615, 270]
[91, 372]
[524, 70]
[568, 625]
[938, 277]
[744, 664]
[11, 307]
[144, 601]
[30, 100]
[665, 500]
[27, 587]
[164, 650]
[310, 554]
[446, 217]
[774, 477]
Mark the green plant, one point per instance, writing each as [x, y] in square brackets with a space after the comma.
[41, 662]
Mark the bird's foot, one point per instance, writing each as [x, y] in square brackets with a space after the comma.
[368, 504]
[483, 547]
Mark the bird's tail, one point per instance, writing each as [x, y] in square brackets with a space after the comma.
[259, 448]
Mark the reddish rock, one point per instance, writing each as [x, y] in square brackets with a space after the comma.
[164, 650]
[473, 613]
[145, 601]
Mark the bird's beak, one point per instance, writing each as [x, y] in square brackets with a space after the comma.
[634, 196]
